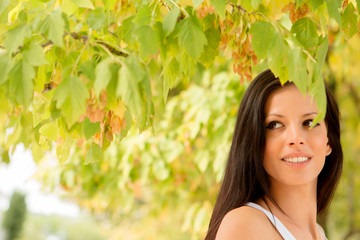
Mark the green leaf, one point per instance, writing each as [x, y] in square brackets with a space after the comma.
[171, 73]
[263, 36]
[50, 130]
[334, 7]
[161, 37]
[192, 37]
[12, 139]
[70, 96]
[297, 69]
[3, 5]
[21, 83]
[41, 110]
[358, 6]
[149, 106]
[69, 7]
[170, 21]
[5, 157]
[322, 51]
[197, 3]
[349, 22]
[130, 74]
[199, 219]
[84, 3]
[255, 4]
[53, 26]
[298, 3]
[97, 19]
[202, 160]
[90, 128]
[160, 171]
[275, 56]
[317, 89]
[316, 4]
[5, 66]
[40, 78]
[220, 6]
[63, 150]
[127, 30]
[149, 43]
[189, 217]
[94, 154]
[36, 151]
[305, 31]
[88, 69]
[103, 75]
[187, 64]
[211, 49]
[34, 54]
[16, 36]
[143, 15]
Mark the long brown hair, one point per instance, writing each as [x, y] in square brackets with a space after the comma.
[245, 179]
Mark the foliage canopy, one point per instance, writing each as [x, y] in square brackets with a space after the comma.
[136, 96]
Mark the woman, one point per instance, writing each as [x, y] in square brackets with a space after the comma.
[281, 170]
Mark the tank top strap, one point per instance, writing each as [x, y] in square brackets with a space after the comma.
[275, 221]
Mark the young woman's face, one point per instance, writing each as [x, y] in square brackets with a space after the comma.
[294, 153]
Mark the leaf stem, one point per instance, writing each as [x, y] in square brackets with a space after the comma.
[182, 9]
[153, 12]
[78, 58]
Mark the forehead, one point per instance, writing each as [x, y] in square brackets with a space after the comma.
[289, 99]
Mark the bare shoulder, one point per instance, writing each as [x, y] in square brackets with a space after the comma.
[245, 223]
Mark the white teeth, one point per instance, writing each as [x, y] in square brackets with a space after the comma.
[296, 159]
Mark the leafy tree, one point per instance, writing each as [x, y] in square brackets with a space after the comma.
[138, 98]
[14, 217]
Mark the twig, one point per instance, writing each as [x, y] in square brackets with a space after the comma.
[100, 44]
[242, 9]
[112, 49]
[169, 9]
[78, 58]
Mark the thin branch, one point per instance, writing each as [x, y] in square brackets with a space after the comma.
[112, 49]
[242, 9]
[76, 36]
[162, 3]
[101, 44]
[47, 44]
[153, 12]
[78, 58]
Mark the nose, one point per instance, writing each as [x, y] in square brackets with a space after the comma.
[295, 136]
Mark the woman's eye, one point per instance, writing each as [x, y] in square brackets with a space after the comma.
[274, 125]
[309, 123]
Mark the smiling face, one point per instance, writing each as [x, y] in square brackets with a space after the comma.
[294, 154]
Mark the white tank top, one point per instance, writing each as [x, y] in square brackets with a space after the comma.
[276, 222]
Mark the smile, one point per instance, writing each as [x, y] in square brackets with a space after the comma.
[296, 159]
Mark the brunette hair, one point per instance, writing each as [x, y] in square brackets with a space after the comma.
[245, 178]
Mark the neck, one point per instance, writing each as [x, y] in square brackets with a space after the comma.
[298, 205]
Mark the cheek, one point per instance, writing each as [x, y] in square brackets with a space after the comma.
[319, 142]
[271, 152]
[272, 144]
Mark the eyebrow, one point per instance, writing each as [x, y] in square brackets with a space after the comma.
[281, 116]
